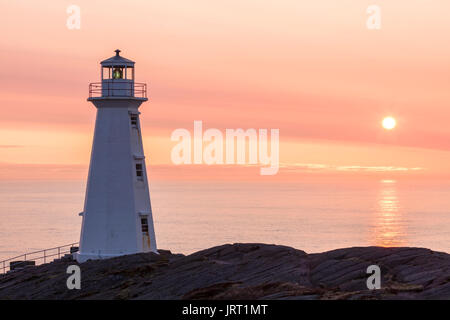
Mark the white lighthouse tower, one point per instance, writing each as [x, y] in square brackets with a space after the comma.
[117, 216]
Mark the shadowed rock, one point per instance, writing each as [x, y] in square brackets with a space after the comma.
[242, 271]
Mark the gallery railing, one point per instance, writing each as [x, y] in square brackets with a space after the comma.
[37, 257]
[117, 89]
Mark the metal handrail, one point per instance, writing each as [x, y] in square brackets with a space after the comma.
[44, 257]
[132, 89]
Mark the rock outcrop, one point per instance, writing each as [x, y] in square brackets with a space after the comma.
[242, 271]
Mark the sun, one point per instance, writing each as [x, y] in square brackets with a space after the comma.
[389, 123]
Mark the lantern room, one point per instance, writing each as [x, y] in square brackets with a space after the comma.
[117, 68]
[117, 80]
[117, 76]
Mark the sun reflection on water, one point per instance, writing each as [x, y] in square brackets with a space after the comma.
[389, 226]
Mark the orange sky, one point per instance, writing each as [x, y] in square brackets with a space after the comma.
[309, 68]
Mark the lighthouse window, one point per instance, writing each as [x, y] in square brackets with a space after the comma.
[134, 120]
[139, 171]
[144, 224]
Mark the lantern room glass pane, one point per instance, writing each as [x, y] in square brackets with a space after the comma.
[129, 73]
[118, 73]
[106, 73]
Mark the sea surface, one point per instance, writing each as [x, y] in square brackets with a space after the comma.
[314, 216]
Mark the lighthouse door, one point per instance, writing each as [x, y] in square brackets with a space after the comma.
[145, 234]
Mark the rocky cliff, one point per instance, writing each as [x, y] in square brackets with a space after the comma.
[242, 271]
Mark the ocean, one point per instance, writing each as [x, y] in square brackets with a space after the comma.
[313, 216]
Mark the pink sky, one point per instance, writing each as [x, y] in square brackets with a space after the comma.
[309, 68]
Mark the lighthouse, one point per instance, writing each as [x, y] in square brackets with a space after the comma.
[117, 216]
